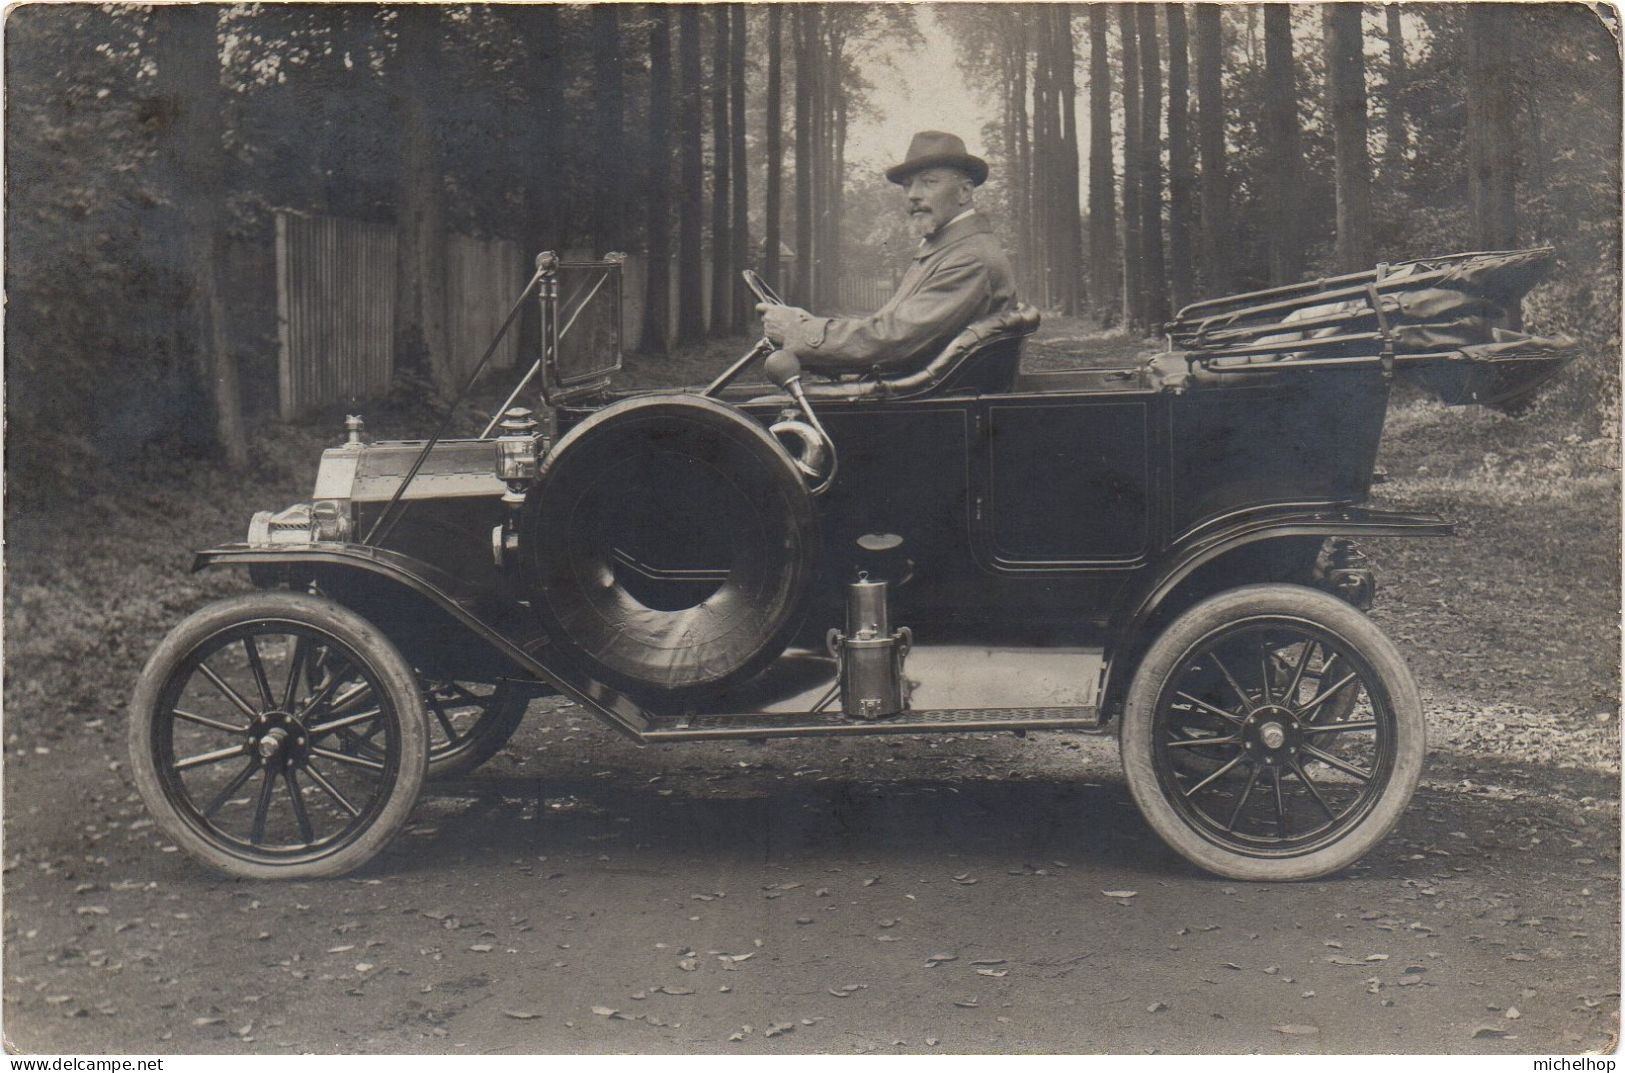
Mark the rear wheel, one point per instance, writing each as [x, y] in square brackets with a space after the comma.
[278, 735]
[1302, 757]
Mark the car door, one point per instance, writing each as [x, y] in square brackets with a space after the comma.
[1063, 483]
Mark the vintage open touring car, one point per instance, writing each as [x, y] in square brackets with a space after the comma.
[1163, 550]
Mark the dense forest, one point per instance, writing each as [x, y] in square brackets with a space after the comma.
[1143, 155]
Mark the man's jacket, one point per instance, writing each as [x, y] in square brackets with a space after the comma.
[957, 276]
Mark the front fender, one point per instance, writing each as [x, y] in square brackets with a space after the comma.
[443, 590]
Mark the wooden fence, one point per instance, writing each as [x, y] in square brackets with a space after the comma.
[335, 285]
[862, 295]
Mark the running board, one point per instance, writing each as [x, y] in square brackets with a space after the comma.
[827, 724]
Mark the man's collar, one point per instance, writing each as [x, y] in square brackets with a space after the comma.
[966, 223]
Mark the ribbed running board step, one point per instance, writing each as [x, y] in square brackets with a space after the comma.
[817, 724]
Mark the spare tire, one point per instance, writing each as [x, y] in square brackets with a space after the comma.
[668, 543]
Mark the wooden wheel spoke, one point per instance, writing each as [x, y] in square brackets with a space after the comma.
[255, 664]
[230, 788]
[323, 729]
[1229, 717]
[1326, 694]
[1314, 791]
[1291, 695]
[262, 808]
[211, 757]
[1341, 728]
[203, 720]
[296, 670]
[1337, 762]
[1235, 814]
[1221, 772]
[224, 687]
[444, 720]
[1188, 743]
[1246, 701]
[1280, 804]
[345, 758]
[1264, 670]
[331, 790]
[299, 814]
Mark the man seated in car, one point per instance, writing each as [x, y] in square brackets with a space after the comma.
[958, 275]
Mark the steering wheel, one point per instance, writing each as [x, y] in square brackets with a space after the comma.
[759, 287]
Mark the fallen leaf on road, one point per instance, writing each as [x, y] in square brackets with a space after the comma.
[966, 1004]
[200, 1022]
[340, 949]
[871, 881]
[1297, 1030]
[740, 1035]
[1512, 1013]
[1489, 1032]
[988, 961]
[673, 990]
[778, 1030]
[1119, 893]
[605, 1011]
[481, 948]
[521, 1015]
[688, 965]
[997, 974]
[736, 957]
[1156, 1007]
[937, 959]
[1376, 957]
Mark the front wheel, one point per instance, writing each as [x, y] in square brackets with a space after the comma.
[1312, 743]
[278, 736]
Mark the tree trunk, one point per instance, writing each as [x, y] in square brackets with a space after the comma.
[1027, 241]
[1044, 245]
[1071, 236]
[188, 61]
[1104, 280]
[1492, 155]
[608, 108]
[1133, 253]
[1284, 165]
[1346, 101]
[721, 175]
[773, 236]
[657, 291]
[1218, 240]
[691, 189]
[1181, 166]
[1398, 131]
[1155, 279]
[741, 255]
[542, 188]
[420, 311]
[804, 160]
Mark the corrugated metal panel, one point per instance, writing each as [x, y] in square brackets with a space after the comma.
[335, 283]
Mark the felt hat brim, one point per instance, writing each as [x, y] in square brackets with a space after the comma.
[974, 166]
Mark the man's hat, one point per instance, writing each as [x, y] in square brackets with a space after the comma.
[934, 149]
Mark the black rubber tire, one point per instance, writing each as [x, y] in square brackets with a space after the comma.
[336, 630]
[501, 714]
[1389, 685]
[686, 482]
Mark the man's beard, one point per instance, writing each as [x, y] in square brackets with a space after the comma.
[922, 224]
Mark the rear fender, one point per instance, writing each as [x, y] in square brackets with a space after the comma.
[1138, 611]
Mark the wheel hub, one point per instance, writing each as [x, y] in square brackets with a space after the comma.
[278, 740]
[1270, 733]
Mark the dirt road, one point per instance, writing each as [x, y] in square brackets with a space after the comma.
[976, 893]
